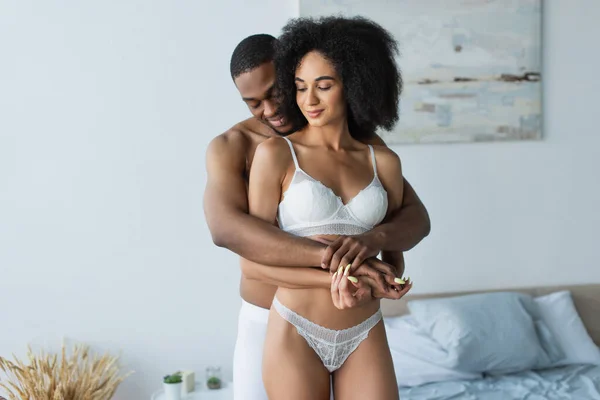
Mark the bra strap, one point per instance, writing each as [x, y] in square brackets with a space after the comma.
[293, 152]
[373, 160]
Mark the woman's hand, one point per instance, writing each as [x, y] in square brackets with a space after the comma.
[381, 273]
[349, 292]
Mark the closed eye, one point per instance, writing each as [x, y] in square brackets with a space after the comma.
[323, 89]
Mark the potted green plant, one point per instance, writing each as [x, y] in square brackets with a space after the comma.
[213, 383]
[213, 377]
[172, 386]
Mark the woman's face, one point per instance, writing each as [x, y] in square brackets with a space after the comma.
[319, 91]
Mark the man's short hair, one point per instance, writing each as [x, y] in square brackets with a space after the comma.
[251, 53]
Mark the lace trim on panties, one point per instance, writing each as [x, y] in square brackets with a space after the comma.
[332, 346]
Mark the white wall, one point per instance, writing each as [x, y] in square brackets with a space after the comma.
[105, 113]
[521, 214]
[106, 109]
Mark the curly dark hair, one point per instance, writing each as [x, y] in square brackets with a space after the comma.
[251, 53]
[362, 53]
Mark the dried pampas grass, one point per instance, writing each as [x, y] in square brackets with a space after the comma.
[79, 376]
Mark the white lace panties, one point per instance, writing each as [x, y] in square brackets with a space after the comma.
[333, 347]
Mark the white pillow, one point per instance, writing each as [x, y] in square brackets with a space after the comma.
[417, 358]
[495, 333]
[558, 312]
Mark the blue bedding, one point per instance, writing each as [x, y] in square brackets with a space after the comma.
[574, 382]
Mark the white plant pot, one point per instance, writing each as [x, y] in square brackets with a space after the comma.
[172, 390]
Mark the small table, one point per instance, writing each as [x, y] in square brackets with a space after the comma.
[202, 393]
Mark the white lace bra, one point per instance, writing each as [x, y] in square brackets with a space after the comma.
[310, 208]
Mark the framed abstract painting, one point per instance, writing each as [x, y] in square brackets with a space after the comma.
[471, 68]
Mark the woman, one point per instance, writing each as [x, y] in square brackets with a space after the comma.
[338, 82]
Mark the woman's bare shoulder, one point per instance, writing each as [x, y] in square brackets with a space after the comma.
[386, 157]
[274, 151]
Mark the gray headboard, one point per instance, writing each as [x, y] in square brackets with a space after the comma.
[586, 298]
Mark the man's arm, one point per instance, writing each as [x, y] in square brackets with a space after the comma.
[226, 211]
[396, 259]
[408, 225]
[405, 228]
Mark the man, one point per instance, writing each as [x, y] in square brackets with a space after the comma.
[272, 257]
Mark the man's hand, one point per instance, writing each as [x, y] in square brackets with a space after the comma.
[353, 250]
[396, 293]
[378, 270]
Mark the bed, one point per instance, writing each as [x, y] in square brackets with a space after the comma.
[571, 382]
[574, 382]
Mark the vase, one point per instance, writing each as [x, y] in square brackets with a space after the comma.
[172, 391]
